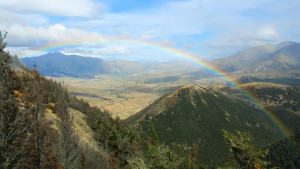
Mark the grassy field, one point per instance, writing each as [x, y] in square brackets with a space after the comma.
[124, 96]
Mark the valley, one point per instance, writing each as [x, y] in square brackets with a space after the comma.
[185, 104]
[125, 96]
[160, 84]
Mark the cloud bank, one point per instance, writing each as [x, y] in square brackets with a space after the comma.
[206, 28]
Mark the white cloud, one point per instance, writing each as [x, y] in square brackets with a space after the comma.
[99, 50]
[268, 33]
[34, 36]
[70, 8]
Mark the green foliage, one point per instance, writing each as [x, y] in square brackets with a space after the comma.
[154, 135]
[243, 152]
[159, 156]
[111, 134]
[285, 153]
[26, 140]
[184, 123]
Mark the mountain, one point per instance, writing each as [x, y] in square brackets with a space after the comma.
[252, 56]
[283, 60]
[194, 114]
[57, 64]
[283, 101]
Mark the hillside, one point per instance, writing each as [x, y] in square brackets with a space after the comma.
[281, 100]
[286, 150]
[195, 114]
[284, 81]
[42, 126]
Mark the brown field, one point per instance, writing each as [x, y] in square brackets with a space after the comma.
[123, 96]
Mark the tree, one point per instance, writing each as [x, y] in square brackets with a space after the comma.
[243, 152]
[154, 135]
[68, 148]
[2, 43]
[10, 125]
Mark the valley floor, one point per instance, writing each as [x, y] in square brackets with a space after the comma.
[124, 96]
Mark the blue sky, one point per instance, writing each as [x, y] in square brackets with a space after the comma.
[209, 29]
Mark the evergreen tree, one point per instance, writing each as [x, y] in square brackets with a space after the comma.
[244, 154]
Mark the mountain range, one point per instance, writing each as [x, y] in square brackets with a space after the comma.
[177, 130]
[266, 61]
[57, 64]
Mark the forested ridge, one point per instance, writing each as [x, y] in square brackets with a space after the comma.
[37, 130]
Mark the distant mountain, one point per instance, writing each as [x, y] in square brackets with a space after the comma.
[283, 60]
[253, 56]
[266, 61]
[57, 64]
[195, 114]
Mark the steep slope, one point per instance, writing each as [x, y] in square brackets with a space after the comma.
[43, 127]
[283, 101]
[194, 114]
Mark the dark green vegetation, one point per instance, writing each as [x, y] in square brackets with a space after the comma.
[195, 115]
[283, 102]
[285, 153]
[244, 154]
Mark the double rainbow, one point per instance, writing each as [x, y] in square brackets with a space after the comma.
[187, 56]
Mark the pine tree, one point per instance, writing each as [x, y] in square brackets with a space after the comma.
[68, 147]
[10, 128]
[243, 152]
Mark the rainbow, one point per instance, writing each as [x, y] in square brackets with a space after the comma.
[49, 47]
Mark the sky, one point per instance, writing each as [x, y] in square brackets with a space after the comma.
[207, 29]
